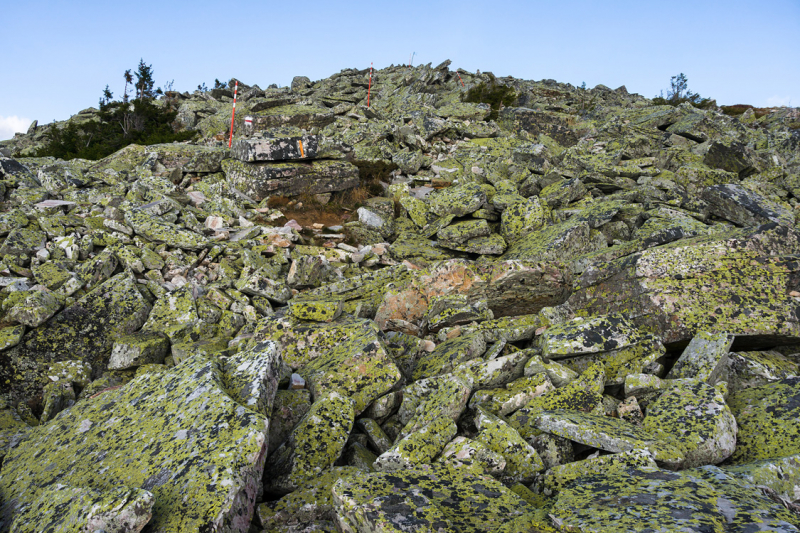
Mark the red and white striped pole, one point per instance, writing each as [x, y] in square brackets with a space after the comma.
[459, 79]
[369, 89]
[233, 114]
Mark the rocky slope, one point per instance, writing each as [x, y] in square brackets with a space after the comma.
[582, 315]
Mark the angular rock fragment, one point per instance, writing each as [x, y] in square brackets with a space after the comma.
[420, 447]
[261, 180]
[313, 446]
[120, 510]
[176, 434]
[434, 498]
[276, 148]
[766, 417]
[706, 358]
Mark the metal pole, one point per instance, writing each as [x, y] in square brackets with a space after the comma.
[369, 89]
[233, 114]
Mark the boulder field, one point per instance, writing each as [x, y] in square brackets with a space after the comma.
[578, 312]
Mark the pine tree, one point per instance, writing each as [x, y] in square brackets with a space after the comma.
[144, 81]
[128, 79]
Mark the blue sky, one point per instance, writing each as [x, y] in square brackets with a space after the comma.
[58, 55]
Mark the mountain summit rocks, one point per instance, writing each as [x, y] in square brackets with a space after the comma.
[583, 314]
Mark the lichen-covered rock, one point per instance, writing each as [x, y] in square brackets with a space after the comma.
[85, 331]
[505, 400]
[345, 355]
[522, 461]
[157, 230]
[438, 497]
[694, 419]
[377, 438]
[63, 508]
[35, 309]
[753, 369]
[311, 501]
[173, 314]
[188, 157]
[649, 499]
[427, 399]
[316, 310]
[460, 200]
[766, 417]
[610, 434]
[138, 349]
[293, 145]
[558, 374]
[419, 447]
[288, 409]
[261, 180]
[481, 374]
[781, 475]
[560, 475]
[177, 434]
[522, 218]
[694, 285]
[313, 446]
[462, 451]
[446, 356]
[744, 207]
[706, 358]
[584, 395]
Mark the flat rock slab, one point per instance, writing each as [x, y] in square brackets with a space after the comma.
[649, 499]
[313, 446]
[706, 358]
[301, 116]
[276, 149]
[767, 418]
[177, 434]
[157, 230]
[264, 179]
[744, 207]
[118, 510]
[610, 434]
[345, 355]
[699, 285]
[189, 157]
[428, 498]
[86, 331]
[694, 419]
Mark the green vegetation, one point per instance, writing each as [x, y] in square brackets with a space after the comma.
[679, 93]
[118, 123]
[491, 93]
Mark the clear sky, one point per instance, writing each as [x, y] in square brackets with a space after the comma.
[57, 56]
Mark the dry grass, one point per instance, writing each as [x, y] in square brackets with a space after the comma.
[739, 109]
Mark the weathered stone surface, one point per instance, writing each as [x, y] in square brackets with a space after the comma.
[429, 498]
[767, 417]
[188, 157]
[610, 434]
[694, 419]
[60, 508]
[311, 501]
[345, 355]
[522, 461]
[261, 180]
[276, 148]
[744, 207]
[85, 330]
[641, 499]
[418, 448]
[704, 358]
[178, 435]
[138, 349]
[459, 200]
[682, 288]
[313, 446]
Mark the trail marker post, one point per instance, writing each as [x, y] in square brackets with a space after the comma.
[233, 114]
[459, 79]
[369, 89]
[411, 60]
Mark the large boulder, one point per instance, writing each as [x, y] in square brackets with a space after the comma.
[192, 436]
[699, 284]
[85, 330]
